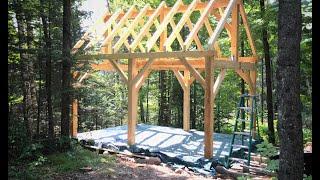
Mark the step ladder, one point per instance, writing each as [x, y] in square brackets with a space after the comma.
[247, 116]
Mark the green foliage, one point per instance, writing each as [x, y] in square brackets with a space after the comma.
[307, 135]
[46, 167]
[244, 178]
[305, 177]
[266, 149]
[32, 152]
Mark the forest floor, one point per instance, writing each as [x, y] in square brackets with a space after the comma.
[126, 169]
[81, 164]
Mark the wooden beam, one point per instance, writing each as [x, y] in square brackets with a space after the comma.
[200, 6]
[118, 27]
[218, 82]
[198, 25]
[180, 79]
[208, 109]
[174, 54]
[180, 24]
[246, 77]
[247, 28]
[186, 102]
[193, 78]
[132, 102]
[196, 38]
[142, 72]
[147, 26]
[102, 29]
[122, 74]
[226, 25]
[221, 23]
[180, 40]
[167, 64]
[235, 32]
[124, 36]
[163, 24]
[193, 71]
[142, 79]
[74, 119]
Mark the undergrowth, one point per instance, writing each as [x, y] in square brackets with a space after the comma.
[47, 166]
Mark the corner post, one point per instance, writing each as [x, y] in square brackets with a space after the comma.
[186, 101]
[208, 108]
[74, 118]
[132, 101]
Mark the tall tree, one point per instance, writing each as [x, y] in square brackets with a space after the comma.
[266, 49]
[26, 69]
[47, 40]
[66, 70]
[288, 90]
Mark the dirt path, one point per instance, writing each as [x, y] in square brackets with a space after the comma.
[127, 170]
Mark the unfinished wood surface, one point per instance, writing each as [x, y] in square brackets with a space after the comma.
[186, 102]
[169, 64]
[248, 32]
[74, 118]
[208, 109]
[180, 24]
[193, 71]
[163, 25]
[146, 29]
[175, 54]
[120, 71]
[235, 32]
[132, 102]
[221, 23]
[218, 82]
[198, 25]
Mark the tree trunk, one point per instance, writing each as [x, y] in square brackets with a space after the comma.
[142, 118]
[23, 68]
[288, 90]
[66, 70]
[47, 40]
[268, 76]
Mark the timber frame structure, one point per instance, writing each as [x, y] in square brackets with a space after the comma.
[136, 42]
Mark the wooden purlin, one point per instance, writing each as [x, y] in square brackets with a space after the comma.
[146, 27]
[200, 6]
[198, 25]
[184, 18]
[130, 29]
[117, 28]
[104, 29]
[163, 25]
[221, 23]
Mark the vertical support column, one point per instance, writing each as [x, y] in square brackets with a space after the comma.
[235, 31]
[132, 101]
[253, 77]
[208, 108]
[74, 118]
[186, 101]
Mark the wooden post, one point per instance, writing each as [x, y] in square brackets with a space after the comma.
[208, 108]
[186, 101]
[253, 77]
[132, 101]
[235, 31]
[74, 118]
